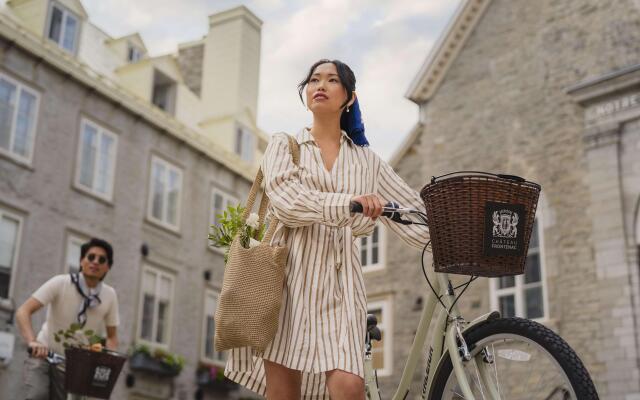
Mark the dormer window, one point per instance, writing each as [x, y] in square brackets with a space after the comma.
[164, 92]
[63, 28]
[134, 54]
[245, 144]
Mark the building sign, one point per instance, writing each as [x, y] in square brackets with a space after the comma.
[607, 108]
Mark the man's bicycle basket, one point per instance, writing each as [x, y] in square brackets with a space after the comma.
[480, 223]
[90, 373]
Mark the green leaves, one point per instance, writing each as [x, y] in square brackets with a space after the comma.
[74, 336]
[229, 225]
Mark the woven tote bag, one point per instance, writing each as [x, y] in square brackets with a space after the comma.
[251, 295]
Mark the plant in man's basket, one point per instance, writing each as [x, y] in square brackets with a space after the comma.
[230, 224]
[211, 376]
[157, 361]
[74, 336]
[91, 369]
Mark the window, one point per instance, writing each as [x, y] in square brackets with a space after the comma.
[382, 350]
[371, 250]
[164, 196]
[10, 226]
[74, 243]
[219, 203]
[523, 295]
[64, 27]
[156, 306]
[208, 351]
[244, 145]
[134, 54]
[18, 118]
[164, 92]
[96, 159]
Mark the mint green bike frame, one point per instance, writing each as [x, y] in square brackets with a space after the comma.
[439, 349]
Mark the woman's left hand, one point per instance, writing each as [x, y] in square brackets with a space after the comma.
[371, 205]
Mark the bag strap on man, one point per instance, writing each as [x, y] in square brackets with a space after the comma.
[294, 150]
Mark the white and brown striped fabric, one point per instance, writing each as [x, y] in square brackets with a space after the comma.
[322, 321]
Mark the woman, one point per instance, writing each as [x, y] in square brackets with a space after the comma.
[318, 350]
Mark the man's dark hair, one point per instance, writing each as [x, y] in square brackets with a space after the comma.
[347, 78]
[95, 242]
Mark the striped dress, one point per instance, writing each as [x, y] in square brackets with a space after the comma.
[322, 321]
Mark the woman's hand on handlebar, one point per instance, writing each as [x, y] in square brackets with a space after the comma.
[38, 349]
[371, 205]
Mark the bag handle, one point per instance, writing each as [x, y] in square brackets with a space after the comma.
[294, 150]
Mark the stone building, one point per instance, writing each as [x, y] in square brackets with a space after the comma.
[547, 90]
[97, 138]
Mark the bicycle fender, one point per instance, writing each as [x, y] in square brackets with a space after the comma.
[445, 352]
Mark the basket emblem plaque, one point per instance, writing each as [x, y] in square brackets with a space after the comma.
[504, 228]
[101, 376]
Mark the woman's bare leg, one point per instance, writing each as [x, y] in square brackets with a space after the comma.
[343, 385]
[282, 383]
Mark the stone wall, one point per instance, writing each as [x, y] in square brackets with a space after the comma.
[503, 107]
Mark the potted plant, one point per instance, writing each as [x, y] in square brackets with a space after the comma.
[212, 377]
[158, 361]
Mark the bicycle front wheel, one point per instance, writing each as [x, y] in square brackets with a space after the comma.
[516, 359]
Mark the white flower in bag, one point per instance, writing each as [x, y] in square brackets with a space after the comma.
[253, 242]
[253, 220]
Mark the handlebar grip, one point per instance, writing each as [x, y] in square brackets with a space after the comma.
[49, 354]
[356, 207]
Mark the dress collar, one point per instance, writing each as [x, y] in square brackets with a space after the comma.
[304, 135]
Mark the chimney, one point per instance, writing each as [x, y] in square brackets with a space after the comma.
[231, 65]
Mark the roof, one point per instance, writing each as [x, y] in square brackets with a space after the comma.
[437, 63]
[60, 60]
[431, 74]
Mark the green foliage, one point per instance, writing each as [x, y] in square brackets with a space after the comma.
[229, 225]
[74, 336]
[173, 360]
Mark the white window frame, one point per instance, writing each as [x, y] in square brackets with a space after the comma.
[386, 327]
[154, 324]
[168, 166]
[219, 362]
[72, 238]
[136, 51]
[65, 14]
[519, 287]
[20, 87]
[381, 264]
[226, 199]
[16, 254]
[112, 164]
[247, 146]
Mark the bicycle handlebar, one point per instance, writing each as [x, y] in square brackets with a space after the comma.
[391, 210]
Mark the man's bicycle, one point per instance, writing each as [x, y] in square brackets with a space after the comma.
[487, 358]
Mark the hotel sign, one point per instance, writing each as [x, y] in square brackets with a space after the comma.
[611, 107]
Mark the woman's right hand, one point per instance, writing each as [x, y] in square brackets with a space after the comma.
[371, 204]
[38, 350]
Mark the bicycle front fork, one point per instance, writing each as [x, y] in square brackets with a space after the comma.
[459, 354]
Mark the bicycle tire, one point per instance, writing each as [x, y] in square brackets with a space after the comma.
[534, 338]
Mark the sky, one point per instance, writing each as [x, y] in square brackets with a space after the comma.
[385, 42]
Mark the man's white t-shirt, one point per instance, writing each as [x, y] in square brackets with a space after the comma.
[63, 300]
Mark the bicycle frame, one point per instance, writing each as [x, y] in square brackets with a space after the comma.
[444, 343]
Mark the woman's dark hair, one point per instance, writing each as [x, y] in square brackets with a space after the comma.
[103, 244]
[347, 78]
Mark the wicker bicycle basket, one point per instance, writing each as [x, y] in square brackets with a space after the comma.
[480, 223]
[91, 373]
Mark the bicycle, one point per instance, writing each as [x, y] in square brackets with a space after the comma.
[488, 358]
